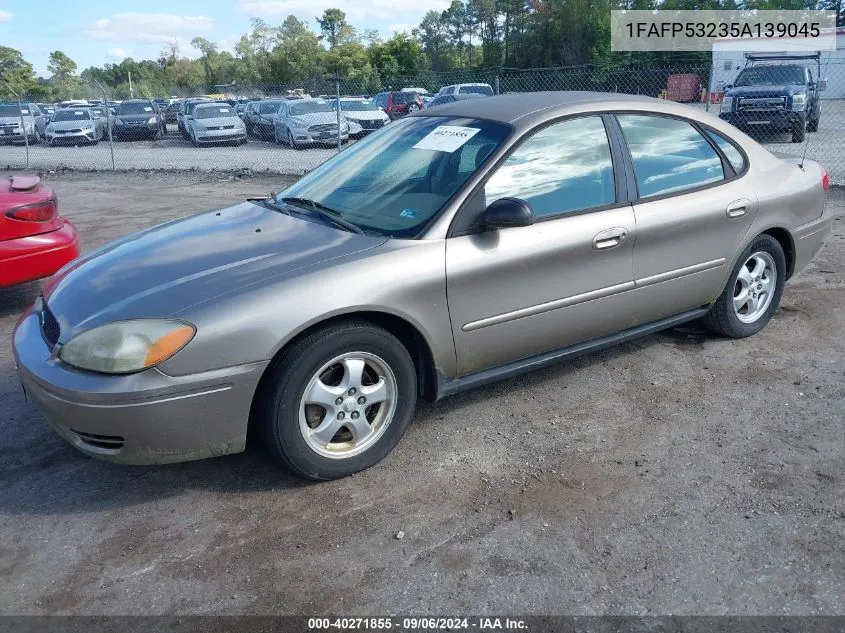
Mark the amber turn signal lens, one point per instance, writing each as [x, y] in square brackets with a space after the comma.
[168, 345]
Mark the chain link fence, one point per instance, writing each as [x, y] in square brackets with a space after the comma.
[792, 106]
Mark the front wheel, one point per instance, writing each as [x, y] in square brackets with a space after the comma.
[799, 132]
[753, 292]
[337, 401]
[813, 125]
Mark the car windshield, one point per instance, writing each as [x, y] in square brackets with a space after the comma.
[142, 107]
[397, 180]
[212, 112]
[269, 107]
[71, 115]
[309, 107]
[356, 106]
[13, 110]
[770, 76]
[477, 90]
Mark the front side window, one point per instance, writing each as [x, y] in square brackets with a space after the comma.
[669, 154]
[563, 168]
[397, 180]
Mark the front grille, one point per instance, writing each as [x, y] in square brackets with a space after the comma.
[757, 104]
[103, 442]
[136, 122]
[228, 127]
[73, 131]
[50, 328]
[327, 127]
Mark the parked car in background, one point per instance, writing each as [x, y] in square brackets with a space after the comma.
[35, 241]
[443, 99]
[47, 111]
[456, 247]
[20, 123]
[216, 123]
[171, 112]
[74, 103]
[74, 126]
[239, 109]
[477, 88]
[398, 104]
[259, 118]
[104, 117]
[138, 118]
[775, 97]
[424, 94]
[184, 113]
[363, 117]
[301, 122]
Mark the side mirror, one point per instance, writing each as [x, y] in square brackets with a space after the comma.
[822, 85]
[508, 212]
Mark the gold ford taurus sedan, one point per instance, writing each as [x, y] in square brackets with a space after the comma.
[461, 245]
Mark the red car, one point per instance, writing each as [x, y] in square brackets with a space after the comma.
[35, 241]
[398, 104]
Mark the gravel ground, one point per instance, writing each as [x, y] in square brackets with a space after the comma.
[173, 152]
[679, 474]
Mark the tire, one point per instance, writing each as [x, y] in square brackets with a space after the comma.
[285, 420]
[813, 125]
[276, 138]
[292, 143]
[799, 133]
[728, 320]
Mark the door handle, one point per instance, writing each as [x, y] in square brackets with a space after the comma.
[609, 238]
[737, 208]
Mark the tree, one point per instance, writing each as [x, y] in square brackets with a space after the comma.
[332, 25]
[16, 74]
[433, 34]
[63, 77]
[298, 55]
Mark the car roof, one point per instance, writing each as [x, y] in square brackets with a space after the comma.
[509, 108]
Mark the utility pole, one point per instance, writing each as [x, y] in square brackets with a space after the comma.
[131, 94]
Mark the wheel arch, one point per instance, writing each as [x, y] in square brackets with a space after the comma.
[787, 243]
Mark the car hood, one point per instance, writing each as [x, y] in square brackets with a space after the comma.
[71, 125]
[135, 117]
[15, 119]
[317, 118]
[365, 115]
[217, 121]
[764, 91]
[171, 267]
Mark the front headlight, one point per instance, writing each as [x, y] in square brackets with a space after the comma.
[727, 104]
[125, 347]
[28, 126]
[152, 121]
[799, 102]
[297, 123]
[119, 122]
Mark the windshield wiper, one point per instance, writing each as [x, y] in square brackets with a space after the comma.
[324, 212]
[270, 203]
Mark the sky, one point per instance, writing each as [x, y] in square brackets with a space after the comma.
[96, 32]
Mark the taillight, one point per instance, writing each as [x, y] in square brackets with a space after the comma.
[38, 212]
[825, 179]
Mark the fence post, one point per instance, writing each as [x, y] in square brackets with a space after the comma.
[497, 85]
[23, 125]
[108, 118]
[710, 84]
[337, 110]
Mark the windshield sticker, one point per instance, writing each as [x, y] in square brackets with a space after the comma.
[408, 213]
[147, 109]
[224, 110]
[24, 111]
[78, 112]
[447, 138]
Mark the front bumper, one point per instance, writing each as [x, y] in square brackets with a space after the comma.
[779, 120]
[306, 137]
[126, 131]
[220, 136]
[55, 138]
[143, 418]
[811, 237]
[28, 258]
[16, 136]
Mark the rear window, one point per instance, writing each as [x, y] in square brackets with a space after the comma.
[404, 97]
[309, 107]
[136, 108]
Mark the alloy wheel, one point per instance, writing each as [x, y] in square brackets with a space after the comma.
[755, 287]
[347, 405]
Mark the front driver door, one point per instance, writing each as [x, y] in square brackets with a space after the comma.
[517, 292]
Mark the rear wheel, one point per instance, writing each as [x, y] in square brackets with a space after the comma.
[813, 125]
[753, 292]
[799, 132]
[337, 401]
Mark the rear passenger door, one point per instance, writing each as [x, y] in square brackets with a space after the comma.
[692, 210]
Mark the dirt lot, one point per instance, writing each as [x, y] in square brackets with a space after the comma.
[682, 474]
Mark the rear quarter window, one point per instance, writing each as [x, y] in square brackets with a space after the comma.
[734, 156]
